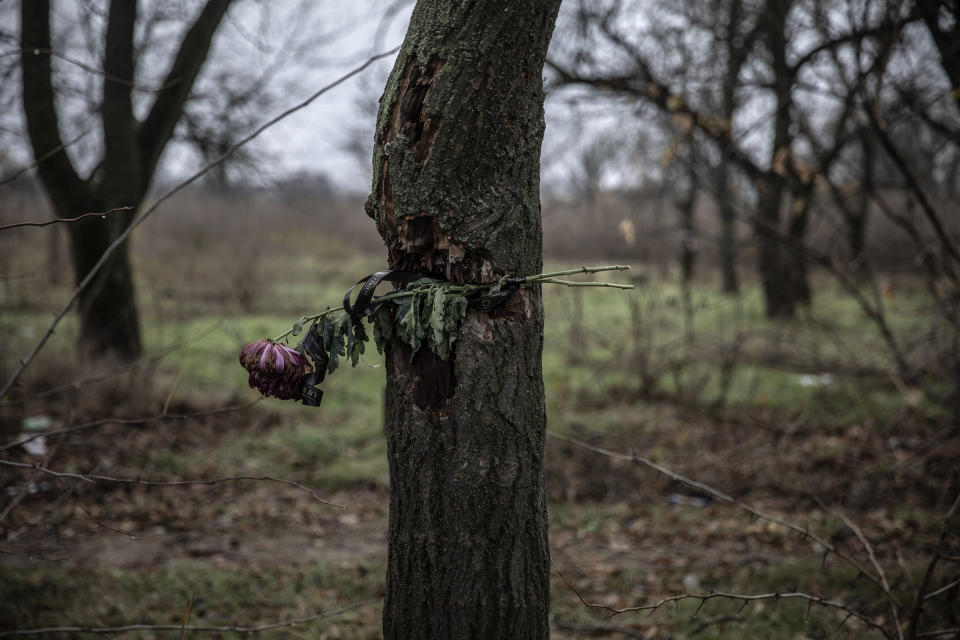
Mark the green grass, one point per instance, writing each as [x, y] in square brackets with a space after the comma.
[107, 597]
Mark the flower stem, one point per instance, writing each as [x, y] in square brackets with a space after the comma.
[569, 272]
[540, 278]
[570, 283]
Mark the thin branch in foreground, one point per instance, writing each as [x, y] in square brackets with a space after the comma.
[132, 421]
[47, 223]
[724, 497]
[736, 597]
[22, 170]
[99, 377]
[143, 216]
[179, 627]
[884, 585]
[93, 479]
[928, 574]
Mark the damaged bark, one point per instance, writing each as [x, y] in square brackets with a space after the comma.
[456, 196]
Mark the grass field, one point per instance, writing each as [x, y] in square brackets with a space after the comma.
[801, 419]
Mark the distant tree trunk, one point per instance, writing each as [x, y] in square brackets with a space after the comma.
[798, 263]
[857, 218]
[456, 195]
[774, 271]
[730, 282]
[737, 49]
[773, 262]
[688, 244]
[109, 324]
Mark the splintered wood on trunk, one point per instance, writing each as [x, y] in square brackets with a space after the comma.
[456, 196]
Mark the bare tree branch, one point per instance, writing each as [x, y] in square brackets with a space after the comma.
[79, 382]
[913, 631]
[146, 420]
[158, 126]
[22, 170]
[179, 627]
[93, 479]
[46, 223]
[56, 170]
[723, 497]
[946, 243]
[744, 599]
[885, 586]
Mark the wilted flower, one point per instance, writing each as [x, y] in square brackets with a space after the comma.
[275, 369]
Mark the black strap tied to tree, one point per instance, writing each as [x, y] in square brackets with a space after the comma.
[365, 305]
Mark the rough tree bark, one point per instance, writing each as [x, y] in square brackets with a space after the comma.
[109, 322]
[456, 195]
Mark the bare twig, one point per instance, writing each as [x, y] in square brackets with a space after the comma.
[143, 216]
[884, 585]
[914, 631]
[93, 479]
[22, 170]
[79, 382]
[46, 223]
[177, 627]
[32, 522]
[946, 243]
[129, 421]
[89, 68]
[724, 497]
[186, 617]
[942, 589]
[100, 523]
[17, 499]
[739, 597]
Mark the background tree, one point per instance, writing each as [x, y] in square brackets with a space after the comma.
[456, 195]
[749, 103]
[131, 150]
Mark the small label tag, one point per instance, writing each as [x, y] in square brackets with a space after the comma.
[311, 395]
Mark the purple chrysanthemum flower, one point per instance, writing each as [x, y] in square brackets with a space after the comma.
[275, 370]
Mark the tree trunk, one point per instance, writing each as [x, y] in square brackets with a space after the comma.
[736, 49]
[456, 195]
[772, 259]
[772, 262]
[730, 283]
[688, 243]
[857, 217]
[798, 263]
[109, 324]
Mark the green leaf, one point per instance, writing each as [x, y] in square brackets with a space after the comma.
[382, 322]
[438, 340]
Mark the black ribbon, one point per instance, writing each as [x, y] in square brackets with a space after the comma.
[363, 307]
